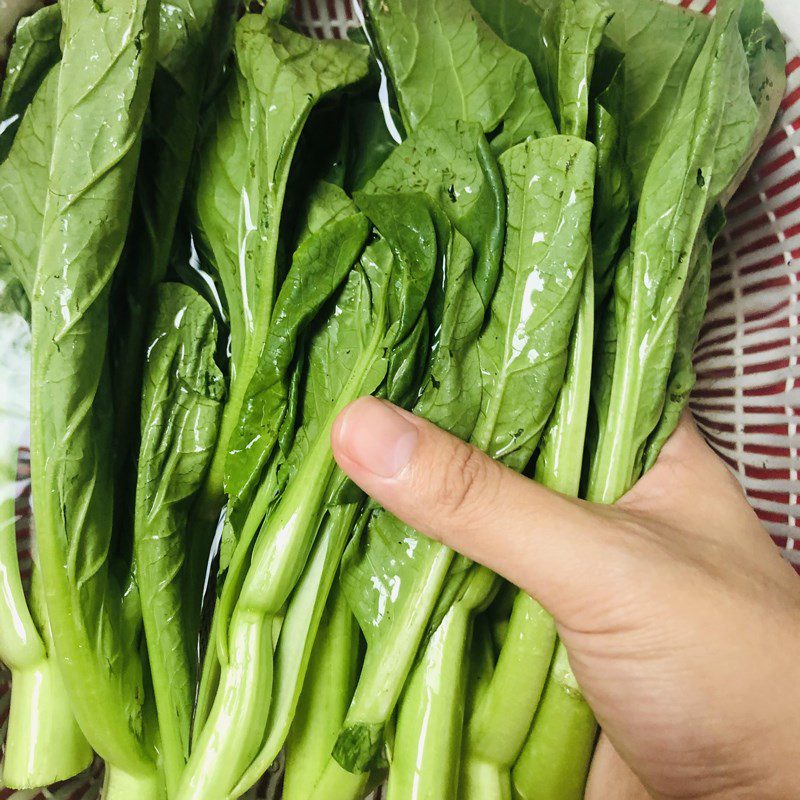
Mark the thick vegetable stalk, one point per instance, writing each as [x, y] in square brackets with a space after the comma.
[420, 745]
[90, 191]
[323, 703]
[554, 762]
[295, 656]
[427, 743]
[43, 742]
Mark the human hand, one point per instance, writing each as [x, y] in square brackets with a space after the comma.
[681, 620]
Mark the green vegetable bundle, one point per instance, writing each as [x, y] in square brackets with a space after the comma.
[220, 237]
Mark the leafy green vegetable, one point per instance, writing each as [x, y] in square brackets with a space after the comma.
[24, 177]
[674, 200]
[96, 148]
[519, 23]
[612, 204]
[661, 44]
[498, 728]
[324, 701]
[682, 374]
[452, 163]
[446, 64]
[376, 310]
[182, 399]
[394, 621]
[35, 52]
[573, 32]
[524, 349]
[244, 166]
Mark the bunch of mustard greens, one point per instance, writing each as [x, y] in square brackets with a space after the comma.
[498, 214]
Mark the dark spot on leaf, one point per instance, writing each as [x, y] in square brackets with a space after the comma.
[98, 4]
[701, 181]
[451, 191]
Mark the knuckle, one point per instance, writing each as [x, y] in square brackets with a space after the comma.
[466, 481]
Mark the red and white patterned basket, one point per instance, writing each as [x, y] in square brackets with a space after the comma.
[747, 399]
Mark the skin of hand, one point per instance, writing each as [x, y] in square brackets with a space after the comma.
[681, 620]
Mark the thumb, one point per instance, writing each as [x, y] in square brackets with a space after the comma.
[450, 491]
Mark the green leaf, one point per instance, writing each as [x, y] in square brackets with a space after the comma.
[181, 404]
[519, 24]
[612, 202]
[766, 56]
[89, 197]
[675, 199]
[245, 163]
[573, 32]
[279, 76]
[661, 43]
[370, 141]
[682, 374]
[523, 351]
[452, 164]
[35, 52]
[318, 268]
[24, 177]
[447, 64]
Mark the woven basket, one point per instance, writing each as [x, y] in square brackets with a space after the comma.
[747, 399]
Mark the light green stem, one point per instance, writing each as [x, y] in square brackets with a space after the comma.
[502, 719]
[427, 742]
[294, 655]
[324, 700]
[43, 741]
[382, 680]
[119, 785]
[484, 780]
[555, 761]
[209, 683]
[232, 735]
[336, 782]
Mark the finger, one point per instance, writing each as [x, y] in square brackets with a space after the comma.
[452, 492]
